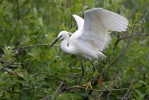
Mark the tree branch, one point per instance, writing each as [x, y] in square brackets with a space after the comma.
[74, 89]
[121, 38]
[37, 45]
[131, 83]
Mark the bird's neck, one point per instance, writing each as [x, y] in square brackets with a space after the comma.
[65, 46]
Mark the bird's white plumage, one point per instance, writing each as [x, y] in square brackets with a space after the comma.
[97, 22]
[91, 37]
[80, 21]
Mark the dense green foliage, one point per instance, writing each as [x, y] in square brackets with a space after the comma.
[31, 70]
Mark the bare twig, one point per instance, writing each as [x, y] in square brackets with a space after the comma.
[130, 94]
[36, 45]
[72, 89]
[133, 36]
[131, 83]
[10, 63]
[61, 88]
[10, 72]
[45, 98]
[29, 63]
[143, 20]
[109, 95]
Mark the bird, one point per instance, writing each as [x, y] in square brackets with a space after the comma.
[91, 37]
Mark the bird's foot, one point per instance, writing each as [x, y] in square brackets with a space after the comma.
[77, 86]
[88, 85]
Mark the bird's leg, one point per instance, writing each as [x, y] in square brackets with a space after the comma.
[82, 73]
[92, 71]
[89, 84]
[81, 76]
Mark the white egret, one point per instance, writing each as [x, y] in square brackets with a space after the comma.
[91, 38]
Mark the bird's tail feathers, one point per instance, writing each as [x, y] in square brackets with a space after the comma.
[101, 55]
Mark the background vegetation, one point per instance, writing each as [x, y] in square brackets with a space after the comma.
[30, 70]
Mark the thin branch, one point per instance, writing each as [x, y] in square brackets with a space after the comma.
[73, 89]
[36, 45]
[133, 36]
[45, 98]
[29, 63]
[131, 83]
[130, 94]
[10, 72]
[10, 63]
[143, 20]
[109, 95]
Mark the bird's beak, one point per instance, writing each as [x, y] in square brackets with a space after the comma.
[55, 40]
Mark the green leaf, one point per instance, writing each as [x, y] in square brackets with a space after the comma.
[40, 21]
[35, 12]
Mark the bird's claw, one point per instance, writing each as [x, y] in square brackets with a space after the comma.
[77, 86]
[88, 85]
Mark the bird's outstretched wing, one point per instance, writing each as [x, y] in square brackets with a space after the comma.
[97, 22]
[80, 21]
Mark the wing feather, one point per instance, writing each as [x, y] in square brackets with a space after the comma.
[97, 22]
[80, 21]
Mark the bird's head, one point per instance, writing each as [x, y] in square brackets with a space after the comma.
[61, 35]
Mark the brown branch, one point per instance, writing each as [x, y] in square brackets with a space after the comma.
[10, 72]
[77, 88]
[45, 98]
[130, 94]
[37, 45]
[109, 95]
[29, 63]
[131, 83]
[121, 38]
[10, 63]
